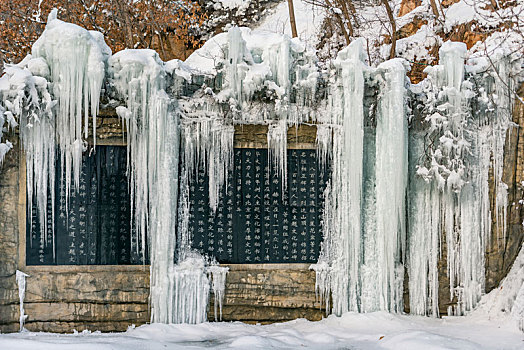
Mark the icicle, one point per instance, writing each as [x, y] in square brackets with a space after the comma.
[191, 291]
[322, 283]
[277, 149]
[343, 198]
[220, 160]
[324, 141]
[218, 277]
[501, 124]
[208, 144]
[152, 124]
[391, 183]
[20, 280]
[164, 219]
[236, 68]
[139, 78]
[77, 60]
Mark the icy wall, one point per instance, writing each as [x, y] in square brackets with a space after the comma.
[409, 164]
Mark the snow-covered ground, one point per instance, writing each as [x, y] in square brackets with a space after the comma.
[351, 331]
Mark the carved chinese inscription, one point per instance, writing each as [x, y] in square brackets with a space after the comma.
[256, 221]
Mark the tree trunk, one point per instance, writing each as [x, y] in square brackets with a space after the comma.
[393, 50]
[292, 19]
[340, 23]
[434, 8]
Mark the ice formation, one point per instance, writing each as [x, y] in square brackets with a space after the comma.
[218, 277]
[77, 62]
[20, 280]
[52, 93]
[391, 183]
[362, 259]
[191, 291]
[342, 222]
[277, 149]
[454, 198]
[174, 134]
[139, 78]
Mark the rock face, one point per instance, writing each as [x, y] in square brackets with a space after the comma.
[502, 251]
[9, 188]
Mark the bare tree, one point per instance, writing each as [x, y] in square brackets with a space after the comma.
[292, 20]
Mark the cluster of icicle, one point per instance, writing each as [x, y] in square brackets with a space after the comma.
[192, 279]
[247, 67]
[450, 196]
[139, 78]
[53, 93]
[179, 289]
[277, 68]
[368, 242]
[361, 264]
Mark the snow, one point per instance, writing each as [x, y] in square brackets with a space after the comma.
[234, 4]
[308, 21]
[379, 330]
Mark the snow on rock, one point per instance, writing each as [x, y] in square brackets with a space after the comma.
[508, 299]
[252, 62]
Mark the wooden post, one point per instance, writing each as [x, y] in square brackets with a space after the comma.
[292, 20]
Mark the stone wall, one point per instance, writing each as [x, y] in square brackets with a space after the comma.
[112, 298]
[9, 188]
[265, 293]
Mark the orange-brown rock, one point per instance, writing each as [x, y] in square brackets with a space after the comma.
[407, 6]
